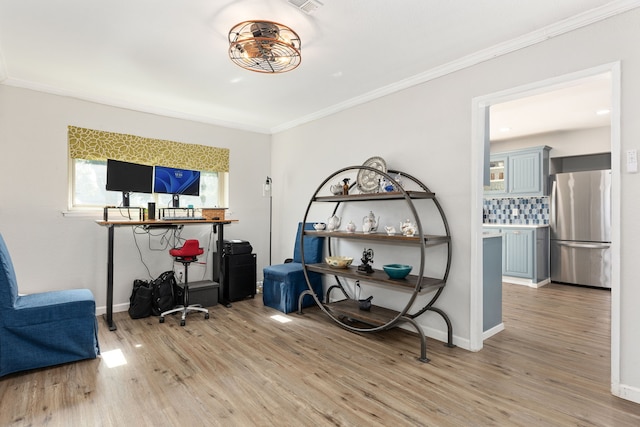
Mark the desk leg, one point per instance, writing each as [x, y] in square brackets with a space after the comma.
[109, 316]
[221, 270]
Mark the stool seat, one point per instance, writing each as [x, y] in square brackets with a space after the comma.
[186, 254]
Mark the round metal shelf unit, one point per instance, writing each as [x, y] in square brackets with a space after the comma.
[420, 240]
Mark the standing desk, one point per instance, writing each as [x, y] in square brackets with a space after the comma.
[218, 226]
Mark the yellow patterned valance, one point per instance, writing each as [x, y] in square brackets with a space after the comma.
[92, 144]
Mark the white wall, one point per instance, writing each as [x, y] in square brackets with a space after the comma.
[426, 130]
[426, 142]
[51, 251]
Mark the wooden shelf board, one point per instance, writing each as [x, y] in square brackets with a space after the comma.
[392, 195]
[397, 237]
[377, 316]
[378, 276]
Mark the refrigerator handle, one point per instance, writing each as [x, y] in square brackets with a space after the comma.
[584, 245]
[552, 206]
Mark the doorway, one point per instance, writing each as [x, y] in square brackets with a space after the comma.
[480, 155]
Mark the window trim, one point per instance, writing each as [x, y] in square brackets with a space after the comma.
[222, 191]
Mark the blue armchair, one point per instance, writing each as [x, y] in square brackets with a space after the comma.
[43, 329]
[283, 283]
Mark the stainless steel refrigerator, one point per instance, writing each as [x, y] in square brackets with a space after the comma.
[580, 223]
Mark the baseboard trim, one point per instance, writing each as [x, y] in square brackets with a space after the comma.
[116, 309]
[491, 332]
[626, 392]
[525, 282]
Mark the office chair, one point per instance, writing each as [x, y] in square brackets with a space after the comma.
[187, 254]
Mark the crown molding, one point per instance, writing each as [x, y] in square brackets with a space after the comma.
[579, 21]
[562, 27]
[110, 102]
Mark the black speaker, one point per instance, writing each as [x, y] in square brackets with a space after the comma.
[239, 272]
[151, 210]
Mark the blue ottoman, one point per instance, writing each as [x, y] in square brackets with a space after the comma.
[283, 285]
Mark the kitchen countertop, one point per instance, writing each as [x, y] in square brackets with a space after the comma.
[492, 225]
[491, 235]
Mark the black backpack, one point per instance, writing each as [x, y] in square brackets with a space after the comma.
[140, 300]
[162, 291]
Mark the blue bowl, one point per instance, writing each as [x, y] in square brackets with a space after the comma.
[397, 271]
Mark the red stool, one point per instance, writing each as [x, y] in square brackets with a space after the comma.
[187, 254]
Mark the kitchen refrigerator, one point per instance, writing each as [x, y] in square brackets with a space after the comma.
[580, 226]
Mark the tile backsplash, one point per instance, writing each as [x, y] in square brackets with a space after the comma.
[516, 210]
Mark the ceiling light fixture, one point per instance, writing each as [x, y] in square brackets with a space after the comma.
[264, 46]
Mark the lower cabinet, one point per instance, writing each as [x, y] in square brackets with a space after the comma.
[525, 254]
[518, 256]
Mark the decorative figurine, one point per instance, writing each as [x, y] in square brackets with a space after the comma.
[333, 223]
[351, 227]
[345, 187]
[365, 304]
[336, 189]
[370, 223]
[408, 228]
[398, 179]
[367, 257]
[385, 186]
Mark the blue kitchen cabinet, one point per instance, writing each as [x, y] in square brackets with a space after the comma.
[497, 176]
[518, 252]
[491, 281]
[528, 172]
[525, 254]
[519, 173]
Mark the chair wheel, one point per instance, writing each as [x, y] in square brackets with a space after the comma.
[206, 315]
[182, 323]
[162, 320]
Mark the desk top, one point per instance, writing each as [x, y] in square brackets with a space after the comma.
[159, 222]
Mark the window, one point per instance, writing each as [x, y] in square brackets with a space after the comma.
[89, 178]
[89, 149]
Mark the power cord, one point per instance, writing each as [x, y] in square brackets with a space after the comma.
[140, 251]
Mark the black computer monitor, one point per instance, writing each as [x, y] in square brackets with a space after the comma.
[129, 178]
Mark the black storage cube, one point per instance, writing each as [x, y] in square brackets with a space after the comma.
[204, 292]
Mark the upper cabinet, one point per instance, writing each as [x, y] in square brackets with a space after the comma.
[497, 175]
[519, 173]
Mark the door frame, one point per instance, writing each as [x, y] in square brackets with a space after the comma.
[479, 143]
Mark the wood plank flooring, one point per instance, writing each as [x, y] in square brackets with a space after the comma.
[549, 367]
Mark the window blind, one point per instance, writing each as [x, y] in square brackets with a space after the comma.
[92, 144]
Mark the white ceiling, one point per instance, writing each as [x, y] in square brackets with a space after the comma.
[170, 57]
[581, 104]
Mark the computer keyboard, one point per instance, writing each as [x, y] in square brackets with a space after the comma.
[183, 218]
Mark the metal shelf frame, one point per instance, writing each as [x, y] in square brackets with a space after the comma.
[345, 312]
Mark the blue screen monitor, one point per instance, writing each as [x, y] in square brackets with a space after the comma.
[176, 181]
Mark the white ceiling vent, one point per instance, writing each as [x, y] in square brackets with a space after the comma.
[307, 6]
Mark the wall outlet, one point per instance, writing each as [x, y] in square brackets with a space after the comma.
[515, 212]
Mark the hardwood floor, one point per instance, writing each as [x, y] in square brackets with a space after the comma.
[549, 367]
